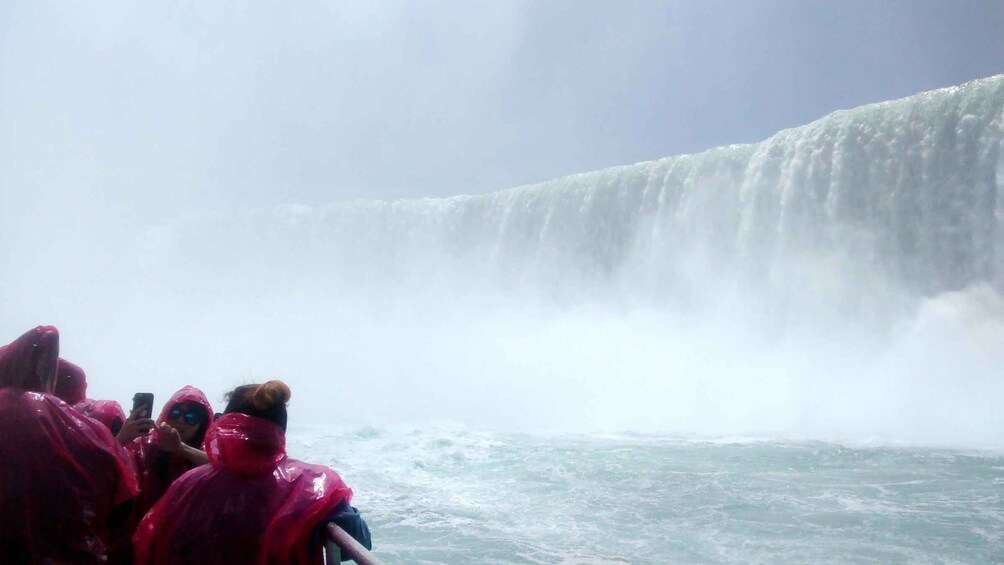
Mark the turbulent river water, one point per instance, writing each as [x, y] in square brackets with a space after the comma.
[445, 494]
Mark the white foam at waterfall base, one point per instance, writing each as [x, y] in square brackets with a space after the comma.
[386, 353]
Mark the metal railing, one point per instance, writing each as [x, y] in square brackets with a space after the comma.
[340, 543]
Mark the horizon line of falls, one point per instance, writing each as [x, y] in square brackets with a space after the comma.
[840, 280]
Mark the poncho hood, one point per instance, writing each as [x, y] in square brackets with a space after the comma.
[71, 382]
[29, 362]
[108, 412]
[245, 444]
[187, 393]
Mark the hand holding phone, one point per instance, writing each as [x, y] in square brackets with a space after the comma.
[139, 422]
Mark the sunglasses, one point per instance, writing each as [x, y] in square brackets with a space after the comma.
[191, 417]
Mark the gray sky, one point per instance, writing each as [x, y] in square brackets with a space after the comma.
[147, 109]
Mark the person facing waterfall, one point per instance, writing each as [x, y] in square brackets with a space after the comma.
[71, 382]
[65, 488]
[71, 388]
[252, 503]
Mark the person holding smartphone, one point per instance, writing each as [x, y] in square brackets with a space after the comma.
[164, 449]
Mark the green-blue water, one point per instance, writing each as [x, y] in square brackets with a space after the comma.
[448, 495]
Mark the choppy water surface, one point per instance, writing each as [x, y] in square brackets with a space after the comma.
[442, 495]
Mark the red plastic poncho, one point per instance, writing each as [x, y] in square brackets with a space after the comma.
[61, 473]
[71, 382]
[156, 469]
[29, 362]
[108, 412]
[71, 388]
[251, 504]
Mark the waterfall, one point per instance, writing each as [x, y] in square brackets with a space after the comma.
[840, 279]
[908, 189]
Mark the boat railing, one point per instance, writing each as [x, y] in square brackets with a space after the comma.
[339, 543]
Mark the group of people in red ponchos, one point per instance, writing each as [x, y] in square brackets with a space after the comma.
[80, 482]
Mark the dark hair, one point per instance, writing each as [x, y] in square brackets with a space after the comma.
[266, 401]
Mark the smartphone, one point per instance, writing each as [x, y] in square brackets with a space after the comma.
[143, 399]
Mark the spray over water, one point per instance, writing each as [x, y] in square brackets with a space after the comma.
[840, 280]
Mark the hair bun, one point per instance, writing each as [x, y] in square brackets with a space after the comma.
[270, 394]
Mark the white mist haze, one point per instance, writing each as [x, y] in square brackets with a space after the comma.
[799, 287]
[209, 196]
